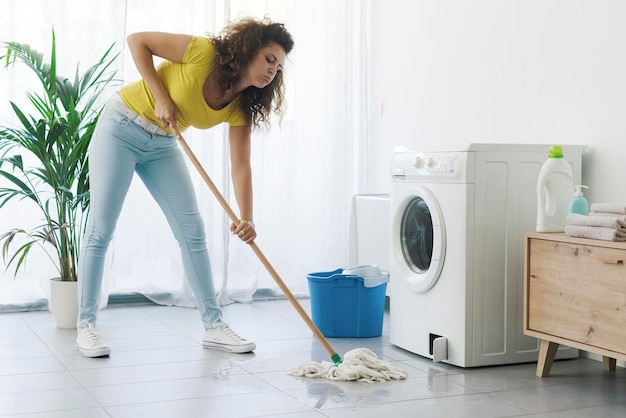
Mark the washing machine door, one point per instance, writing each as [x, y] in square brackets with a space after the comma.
[418, 238]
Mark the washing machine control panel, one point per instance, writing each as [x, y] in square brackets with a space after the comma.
[435, 166]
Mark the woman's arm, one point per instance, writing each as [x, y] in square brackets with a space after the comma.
[143, 46]
[241, 173]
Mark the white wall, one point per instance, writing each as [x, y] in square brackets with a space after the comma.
[447, 72]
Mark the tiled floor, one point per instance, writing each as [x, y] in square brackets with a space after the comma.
[158, 369]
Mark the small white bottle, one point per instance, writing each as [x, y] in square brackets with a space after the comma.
[554, 191]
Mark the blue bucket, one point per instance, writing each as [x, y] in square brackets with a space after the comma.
[349, 303]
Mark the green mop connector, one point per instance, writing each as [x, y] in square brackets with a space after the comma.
[336, 358]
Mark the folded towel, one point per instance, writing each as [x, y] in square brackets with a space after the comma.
[618, 216]
[595, 232]
[619, 208]
[610, 221]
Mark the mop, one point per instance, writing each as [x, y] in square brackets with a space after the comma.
[360, 364]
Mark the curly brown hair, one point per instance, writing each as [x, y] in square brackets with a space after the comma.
[235, 48]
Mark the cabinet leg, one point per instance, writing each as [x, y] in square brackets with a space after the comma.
[608, 363]
[547, 352]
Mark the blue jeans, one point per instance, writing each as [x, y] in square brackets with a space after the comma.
[118, 149]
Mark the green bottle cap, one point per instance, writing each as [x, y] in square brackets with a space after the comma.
[556, 152]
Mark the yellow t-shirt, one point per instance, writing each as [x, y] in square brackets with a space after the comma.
[184, 82]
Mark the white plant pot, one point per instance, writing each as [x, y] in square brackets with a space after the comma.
[64, 302]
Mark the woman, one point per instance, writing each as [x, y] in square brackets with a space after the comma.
[234, 78]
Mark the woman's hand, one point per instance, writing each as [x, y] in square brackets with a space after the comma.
[165, 110]
[245, 231]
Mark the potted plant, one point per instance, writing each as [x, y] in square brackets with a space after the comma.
[43, 162]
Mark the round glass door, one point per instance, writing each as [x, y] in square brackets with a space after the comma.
[417, 234]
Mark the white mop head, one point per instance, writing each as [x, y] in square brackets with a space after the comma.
[360, 364]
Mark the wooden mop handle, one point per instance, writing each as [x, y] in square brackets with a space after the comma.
[258, 252]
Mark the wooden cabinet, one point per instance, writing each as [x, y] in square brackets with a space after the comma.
[575, 295]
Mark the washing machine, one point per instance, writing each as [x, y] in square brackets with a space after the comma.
[458, 217]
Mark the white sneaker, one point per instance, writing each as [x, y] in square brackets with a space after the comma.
[221, 336]
[90, 344]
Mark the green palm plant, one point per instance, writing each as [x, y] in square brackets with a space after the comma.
[56, 137]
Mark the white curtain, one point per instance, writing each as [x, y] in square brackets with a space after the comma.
[305, 169]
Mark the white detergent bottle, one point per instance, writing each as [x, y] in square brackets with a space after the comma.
[554, 191]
